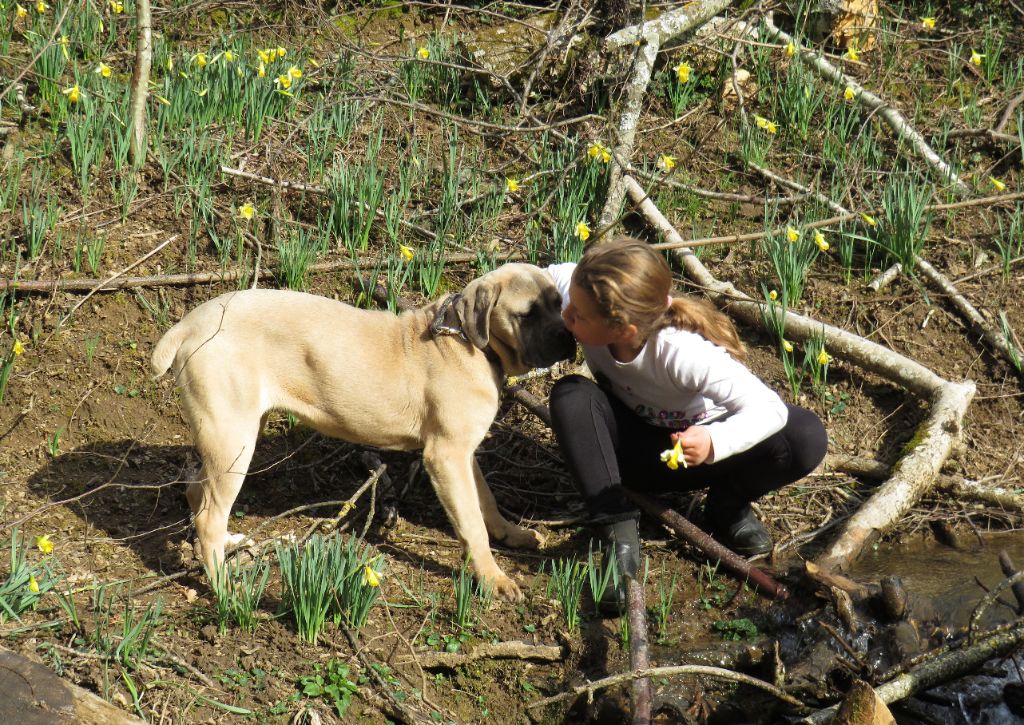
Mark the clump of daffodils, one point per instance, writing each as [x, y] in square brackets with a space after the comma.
[765, 124]
[674, 456]
[599, 152]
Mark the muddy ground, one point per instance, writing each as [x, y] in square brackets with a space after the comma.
[94, 454]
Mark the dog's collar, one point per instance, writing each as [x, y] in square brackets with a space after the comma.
[439, 327]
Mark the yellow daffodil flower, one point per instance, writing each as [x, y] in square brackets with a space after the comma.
[261, 70]
[370, 577]
[116, 7]
[764, 123]
[284, 81]
[294, 72]
[281, 52]
[74, 93]
[246, 211]
[201, 60]
[683, 72]
[406, 252]
[819, 239]
[852, 54]
[583, 231]
[869, 219]
[229, 57]
[824, 358]
[787, 346]
[976, 57]
[20, 11]
[1000, 186]
[666, 162]
[599, 152]
[928, 23]
[849, 94]
[511, 185]
[264, 56]
[41, 7]
[103, 69]
[18, 348]
[792, 234]
[790, 49]
[423, 52]
[44, 544]
[33, 585]
[773, 295]
[64, 43]
[674, 456]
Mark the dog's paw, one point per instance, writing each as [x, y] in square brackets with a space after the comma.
[503, 587]
[236, 541]
[519, 537]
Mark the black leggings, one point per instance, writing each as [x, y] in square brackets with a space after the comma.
[606, 445]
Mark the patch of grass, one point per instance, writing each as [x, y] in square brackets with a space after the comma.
[566, 583]
[238, 589]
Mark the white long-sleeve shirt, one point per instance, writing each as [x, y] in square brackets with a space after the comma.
[681, 378]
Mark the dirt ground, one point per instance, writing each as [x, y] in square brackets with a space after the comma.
[94, 453]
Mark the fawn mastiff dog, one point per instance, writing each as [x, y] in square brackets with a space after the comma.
[429, 378]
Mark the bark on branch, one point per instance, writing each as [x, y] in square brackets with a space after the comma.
[140, 83]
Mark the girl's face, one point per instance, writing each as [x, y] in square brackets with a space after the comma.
[584, 321]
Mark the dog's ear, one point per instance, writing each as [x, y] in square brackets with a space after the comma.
[474, 311]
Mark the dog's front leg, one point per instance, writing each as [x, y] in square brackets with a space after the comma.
[500, 528]
[451, 472]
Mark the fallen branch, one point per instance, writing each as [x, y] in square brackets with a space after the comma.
[916, 472]
[639, 655]
[650, 36]
[674, 671]
[1010, 571]
[962, 488]
[893, 118]
[690, 533]
[140, 83]
[995, 340]
[942, 668]
[509, 650]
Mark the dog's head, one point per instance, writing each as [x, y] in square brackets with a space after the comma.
[516, 311]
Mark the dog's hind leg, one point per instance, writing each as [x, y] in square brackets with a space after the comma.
[226, 454]
[500, 528]
[451, 472]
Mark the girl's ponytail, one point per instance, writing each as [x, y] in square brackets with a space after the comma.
[697, 315]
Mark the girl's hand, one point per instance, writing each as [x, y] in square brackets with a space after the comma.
[697, 446]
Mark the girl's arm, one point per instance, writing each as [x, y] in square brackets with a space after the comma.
[755, 411]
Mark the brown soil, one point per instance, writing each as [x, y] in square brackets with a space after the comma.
[93, 453]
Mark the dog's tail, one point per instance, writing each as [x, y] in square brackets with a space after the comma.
[166, 349]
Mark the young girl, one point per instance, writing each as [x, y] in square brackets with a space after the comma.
[668, 370]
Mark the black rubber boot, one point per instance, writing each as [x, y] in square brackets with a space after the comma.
[740, 530]
[622, 543]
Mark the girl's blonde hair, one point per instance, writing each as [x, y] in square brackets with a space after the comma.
[631, 284]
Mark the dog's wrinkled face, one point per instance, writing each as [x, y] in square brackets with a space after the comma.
[516, 311]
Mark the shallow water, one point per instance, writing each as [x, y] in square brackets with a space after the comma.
[949, 577]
